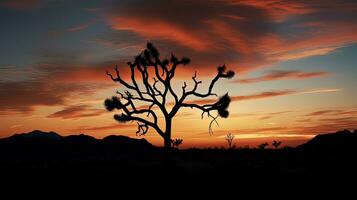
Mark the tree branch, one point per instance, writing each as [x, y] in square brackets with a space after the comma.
[119, 79]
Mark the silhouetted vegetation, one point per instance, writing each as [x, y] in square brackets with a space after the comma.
[276, 144]
[263, 145]
[154, 93]
[230, 139]
[176, 143]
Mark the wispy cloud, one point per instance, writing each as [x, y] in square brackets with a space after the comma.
[327, 90]
[283, 74]
[20, 4]
[268, 94]
[322, 112]
[104, 128]
[263, 95]
[79, 27]
[332, 112]
[76, 112]
[304, 53]
[24, 96]
[273, 114]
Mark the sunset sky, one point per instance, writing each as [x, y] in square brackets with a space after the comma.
[295, 64]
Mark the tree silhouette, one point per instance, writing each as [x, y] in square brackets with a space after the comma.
[140, 89]
[230, 138]
[276, 144]
[263, 145]
[176, 143]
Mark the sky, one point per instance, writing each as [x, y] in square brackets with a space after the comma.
[295, 64]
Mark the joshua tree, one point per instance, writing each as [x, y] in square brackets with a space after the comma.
[276, 144]
[263, 145]
[149, 83]
[230, 138]
[176, 143]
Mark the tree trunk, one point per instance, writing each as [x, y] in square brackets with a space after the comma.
[167, 142]
[167, 136]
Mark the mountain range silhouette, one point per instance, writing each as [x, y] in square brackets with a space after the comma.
[341, 140]
[40, 142]
[39, 153]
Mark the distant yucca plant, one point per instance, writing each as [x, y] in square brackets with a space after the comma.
[276, 144]
[176, 143]
[230, 138]
[263, 145]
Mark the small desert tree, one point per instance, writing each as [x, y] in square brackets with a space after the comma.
[176, 143]
[230, 138]
[276, 144]
[150, 83]
[263, 145]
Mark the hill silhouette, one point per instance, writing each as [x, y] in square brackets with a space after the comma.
[340, 141]
[39, 142]
[35, 135]
[39, 153]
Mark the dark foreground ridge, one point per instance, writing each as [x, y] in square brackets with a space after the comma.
[38, 143]
[49, 154]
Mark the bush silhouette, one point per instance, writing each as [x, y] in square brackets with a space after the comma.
[276, 144]
[176, 143]
[263, 145]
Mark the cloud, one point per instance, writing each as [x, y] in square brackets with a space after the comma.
[76, 112]
[273, 114]
[283, 74]
[56, 79]
[166, 31]
[20, 4]
[202, 38]
[280, 10]
[303, 53]
[79, 27]
[265, 117]
[339, 119]
[282, 93]
[104, 128]
[245, 35]
[332, 112]
[322, 112]
[24, 96]
[267, 94]
[74, 66]
[326, 90]
[261, 95]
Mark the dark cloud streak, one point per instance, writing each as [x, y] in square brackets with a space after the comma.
[283, 74]
[76, 112]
